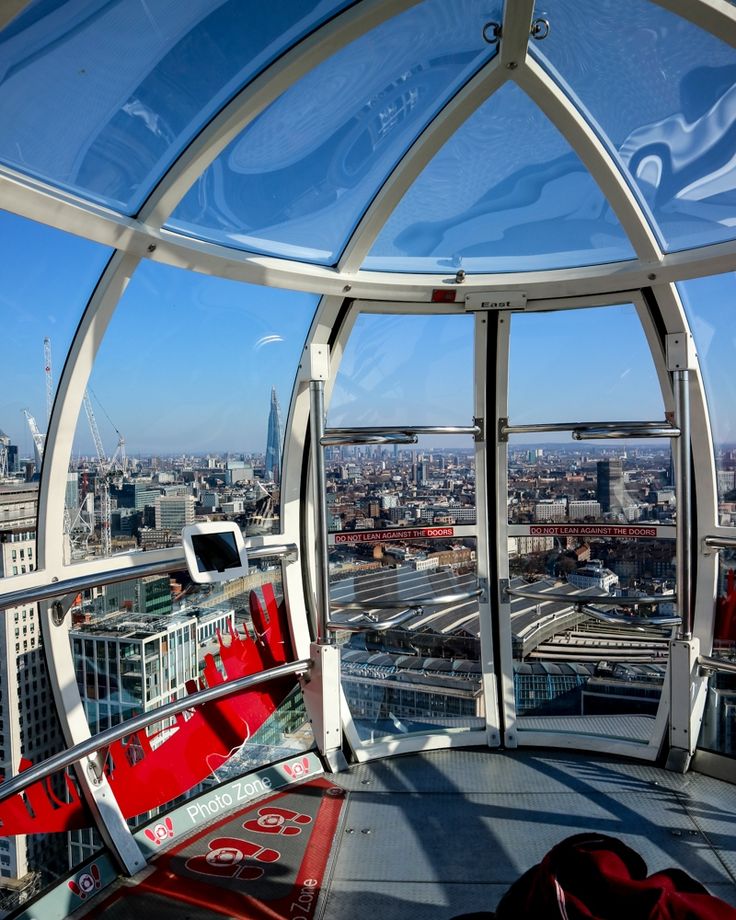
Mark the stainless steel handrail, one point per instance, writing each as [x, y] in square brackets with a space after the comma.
[102, 740]
[607, 600]
[505, 429]
[432, 600]
[114, 576]
[585, 433]
[368, 624]
[709, 663]
[629, 620]
[720, 542]
[402, 429]
[338, 440]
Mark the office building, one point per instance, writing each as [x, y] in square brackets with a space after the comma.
[28, 727]
[136, 494]
[174, 512]
[610, 490]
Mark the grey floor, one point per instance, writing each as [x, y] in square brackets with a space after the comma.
[437, 834]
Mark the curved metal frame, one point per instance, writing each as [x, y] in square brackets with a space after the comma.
[143, 237]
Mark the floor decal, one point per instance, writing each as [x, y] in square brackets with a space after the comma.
[266, 862]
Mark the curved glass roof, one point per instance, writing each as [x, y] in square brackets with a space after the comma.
[670, 120]
[296, 181]
[102, 97]
[400, 137]
[506, 193]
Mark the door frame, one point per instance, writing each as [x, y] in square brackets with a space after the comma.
[491, 734]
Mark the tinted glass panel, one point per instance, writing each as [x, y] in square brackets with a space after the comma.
[48, 277]
[138, 644]
[422, 674]
[297, 180]
[403, 552]
[186, 394]
[663, 92]
[591, 518]
[591, 365]
[719, 720]
[505, 193]
[395, 371]
[709, 306]
[99, 97]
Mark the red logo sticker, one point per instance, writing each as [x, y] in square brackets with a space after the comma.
[272, 820]
[228, 858]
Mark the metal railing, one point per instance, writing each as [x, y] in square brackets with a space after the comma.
[367, 623]
[720, 542]
[709, 663]
[581, 430]
[79, 583]
[406, 430]
[600, 433]
[105, 738]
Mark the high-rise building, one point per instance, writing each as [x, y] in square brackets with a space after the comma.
[28, 727]
[8, 456]
[174, 512]
[136, 494]
[610, 491]
[273, 442]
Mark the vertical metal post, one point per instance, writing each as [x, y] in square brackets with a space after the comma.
[681, 380]
[322, 692]
[319, 496]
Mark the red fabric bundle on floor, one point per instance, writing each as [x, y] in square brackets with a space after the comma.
[594, 877]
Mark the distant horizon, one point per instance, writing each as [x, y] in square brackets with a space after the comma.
[190, 359]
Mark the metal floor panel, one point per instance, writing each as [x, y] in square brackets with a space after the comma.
[627, 727]
[408, 901]
[467, 771]
[442, 833]
[446, 832]
[481, 838]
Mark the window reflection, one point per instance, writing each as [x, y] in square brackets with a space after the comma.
[718, 733]
[389, 372]
[669, 121]
[142, 643]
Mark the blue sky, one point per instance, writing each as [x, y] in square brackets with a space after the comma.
[188, 361]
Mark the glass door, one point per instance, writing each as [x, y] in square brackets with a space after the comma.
[406, 509]
[588, 564]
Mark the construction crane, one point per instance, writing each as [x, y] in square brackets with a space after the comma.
[107, 467]
[76, 525]
[39, 440]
